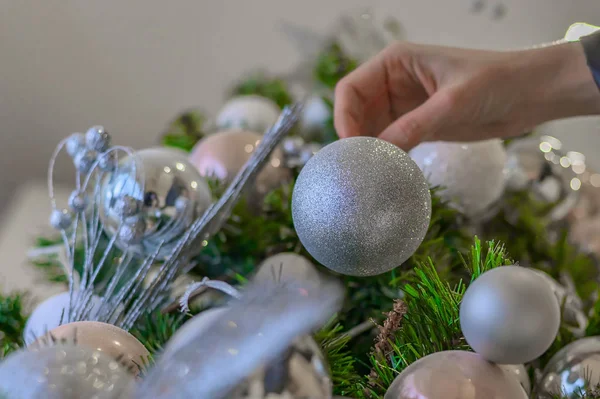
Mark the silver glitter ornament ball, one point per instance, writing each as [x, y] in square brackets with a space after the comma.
[571, 370]
[361, 206]
[471, 175]
[152, 183]
[63, 372]
[509, 315]
[454, 375]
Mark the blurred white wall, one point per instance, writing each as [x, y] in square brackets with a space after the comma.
[133, 65]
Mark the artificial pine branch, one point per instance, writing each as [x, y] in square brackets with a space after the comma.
[12, 323]
[185, 130]
[261, 84]
[156, 328]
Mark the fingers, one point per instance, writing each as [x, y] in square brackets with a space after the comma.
[355, 93]
[420, 124]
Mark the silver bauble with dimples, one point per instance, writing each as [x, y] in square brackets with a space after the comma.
[151, 199]
[510, 315]
[454, 375]
[63, 372]
[361, 206]
[571, 370]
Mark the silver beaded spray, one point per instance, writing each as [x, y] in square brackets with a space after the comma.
[80, 224]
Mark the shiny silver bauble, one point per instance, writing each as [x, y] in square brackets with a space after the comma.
[570, 370]
[509, 315]
[151, 199]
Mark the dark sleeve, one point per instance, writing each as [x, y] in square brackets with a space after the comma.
[591, 47]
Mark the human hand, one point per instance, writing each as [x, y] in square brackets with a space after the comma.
[411, 93]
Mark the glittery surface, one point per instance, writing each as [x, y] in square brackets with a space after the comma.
[509, 315]
[63, 372]
[471, 174]
[454, 375]
[361, 206]
[570, 369]
[155, 178]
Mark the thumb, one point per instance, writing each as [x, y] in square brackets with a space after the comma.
[423, 122]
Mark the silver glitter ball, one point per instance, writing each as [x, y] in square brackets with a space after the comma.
[63, 371]
[509, 315]
[519, 372]
[108, 161]
[97, 139]
[471, 175]
[154, 180]
[60, 219]
[570, 370]
[285, 267]
[84, 160]
[75, 143]
[454, 375]
[361, 206]
[78, 201]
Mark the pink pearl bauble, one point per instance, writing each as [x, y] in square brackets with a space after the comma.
[221, 155]
[454, 375]
[103, 337]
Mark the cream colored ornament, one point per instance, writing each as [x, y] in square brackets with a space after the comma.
[285, 267]
[102, 337]
[251, 112]
[223, 154]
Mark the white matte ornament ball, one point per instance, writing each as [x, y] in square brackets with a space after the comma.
[454, 375]
[315, 115]
[63, 372]
[101, 337]
[48, 314]
[509, 315]
[287, 266]
[470, 175]
[361, 206]
[251, 112]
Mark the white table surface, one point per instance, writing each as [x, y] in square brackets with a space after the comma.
[24, 219]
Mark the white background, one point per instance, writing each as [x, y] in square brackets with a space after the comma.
[133, 65]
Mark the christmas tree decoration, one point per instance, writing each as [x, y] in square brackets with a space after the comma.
[250, 112]
[570, 303]
[361, 206]
[251, 347]
[221, 155]
[571, 371]
[151, 199]
[297, 152]
[471, 175]
[519, 372]
[314, 118]
[52, 313]
[101, 337]
[538, 165]
[509, 315]
[285, 267]
[63, 371]
[454, 375]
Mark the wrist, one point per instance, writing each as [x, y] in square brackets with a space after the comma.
[562, 84]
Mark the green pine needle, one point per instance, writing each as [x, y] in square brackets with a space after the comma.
[341, 362]
[332, 65]
[261, 84]
[155, 329]
[12, 322]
